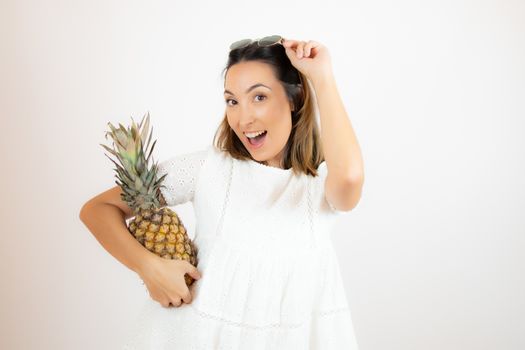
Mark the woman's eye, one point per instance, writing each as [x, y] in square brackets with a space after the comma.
[228, 100]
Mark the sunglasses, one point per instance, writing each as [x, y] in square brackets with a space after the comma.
[266, 41]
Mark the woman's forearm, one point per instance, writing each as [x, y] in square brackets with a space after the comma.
[107, 223]
[341, 149]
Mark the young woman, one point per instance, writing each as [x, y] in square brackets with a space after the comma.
[266, 195]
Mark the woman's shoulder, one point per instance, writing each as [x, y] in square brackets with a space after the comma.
[218, 156]
[187, 162]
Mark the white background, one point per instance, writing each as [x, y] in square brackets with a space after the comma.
[432, 256]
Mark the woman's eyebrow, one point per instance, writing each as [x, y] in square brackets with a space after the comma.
[249, 89]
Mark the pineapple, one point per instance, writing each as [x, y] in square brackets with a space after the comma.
[154, 225]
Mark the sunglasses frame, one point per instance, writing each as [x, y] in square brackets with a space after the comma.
[245, 42]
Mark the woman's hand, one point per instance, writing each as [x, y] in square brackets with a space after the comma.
[164, 279]
[309, 57]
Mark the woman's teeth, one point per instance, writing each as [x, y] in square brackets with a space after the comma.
[254, 134]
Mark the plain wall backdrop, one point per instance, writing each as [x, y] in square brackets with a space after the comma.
[433, 255]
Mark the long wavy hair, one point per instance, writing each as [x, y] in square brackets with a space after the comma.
[303, 150]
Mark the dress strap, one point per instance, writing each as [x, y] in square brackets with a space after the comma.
[310, 212]
[223, 211]
[226, 199]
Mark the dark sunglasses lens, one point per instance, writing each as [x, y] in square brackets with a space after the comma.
[240, 43]
[269, 40]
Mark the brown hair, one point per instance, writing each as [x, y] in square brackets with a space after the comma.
[303, 150]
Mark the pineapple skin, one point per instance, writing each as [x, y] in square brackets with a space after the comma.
[161, 231]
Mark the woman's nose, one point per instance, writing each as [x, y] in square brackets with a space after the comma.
[246, 117]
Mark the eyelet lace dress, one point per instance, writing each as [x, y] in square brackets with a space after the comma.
[270, 274]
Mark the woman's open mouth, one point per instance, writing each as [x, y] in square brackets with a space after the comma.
[257, 141]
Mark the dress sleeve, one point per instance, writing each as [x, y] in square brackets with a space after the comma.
[182, 171]
[323, 173]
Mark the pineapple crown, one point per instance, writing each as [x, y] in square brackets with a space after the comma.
[139, 183]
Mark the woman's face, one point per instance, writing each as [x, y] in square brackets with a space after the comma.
[261, 108]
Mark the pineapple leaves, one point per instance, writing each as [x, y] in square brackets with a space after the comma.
[122, 174]
[151, 151]
[149, 178]
[131, 148]
[149, 138]
[109, 150]
[160, 179]
[145, 130]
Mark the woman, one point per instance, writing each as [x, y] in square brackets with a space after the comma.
[265, 201]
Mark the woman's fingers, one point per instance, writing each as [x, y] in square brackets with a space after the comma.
[289, 43]
[297, 45]
[168, 303]
[192, 270]
[302, 48]
[308, 48]
[187, 297]
[168, 291]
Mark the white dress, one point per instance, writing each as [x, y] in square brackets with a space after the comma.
[270, 275]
